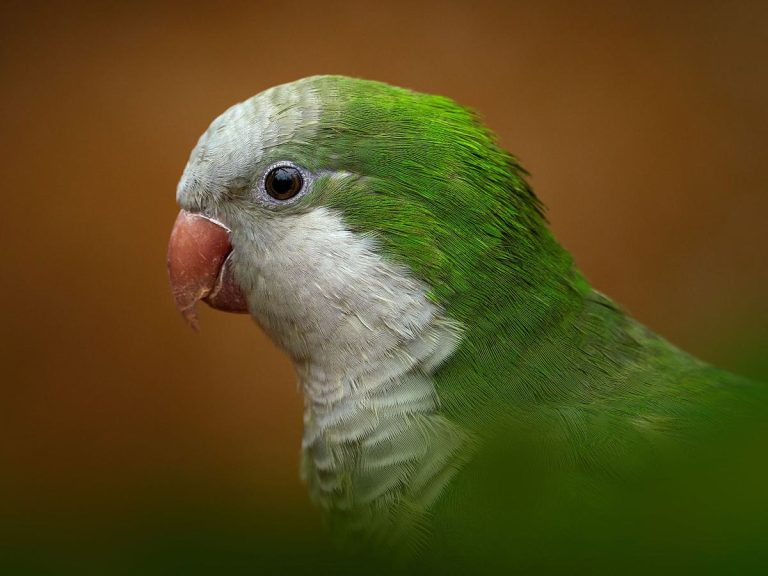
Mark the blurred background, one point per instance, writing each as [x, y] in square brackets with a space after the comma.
[644, 126]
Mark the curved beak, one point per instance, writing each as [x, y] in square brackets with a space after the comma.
[199, 267]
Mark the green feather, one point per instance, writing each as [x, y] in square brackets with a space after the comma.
[446, 201]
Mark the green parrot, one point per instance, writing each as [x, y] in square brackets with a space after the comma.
[453, 360]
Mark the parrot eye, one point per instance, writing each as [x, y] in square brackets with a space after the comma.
[283, 182]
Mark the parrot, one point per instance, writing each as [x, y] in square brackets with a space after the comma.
[458, 371]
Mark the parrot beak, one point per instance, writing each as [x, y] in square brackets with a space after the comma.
[199, 267]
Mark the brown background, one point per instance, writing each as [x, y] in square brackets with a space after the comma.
[644, 126]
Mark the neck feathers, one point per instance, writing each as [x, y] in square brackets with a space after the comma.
[374, 440]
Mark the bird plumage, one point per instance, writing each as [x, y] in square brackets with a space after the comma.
[429, 311]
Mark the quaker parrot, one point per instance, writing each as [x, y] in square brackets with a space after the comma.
[392, 249]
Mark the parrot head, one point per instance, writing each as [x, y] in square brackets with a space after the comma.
[329, 206]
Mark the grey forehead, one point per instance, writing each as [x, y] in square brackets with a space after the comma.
[233, 146]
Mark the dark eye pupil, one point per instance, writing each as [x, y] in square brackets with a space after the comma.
[283, 182]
